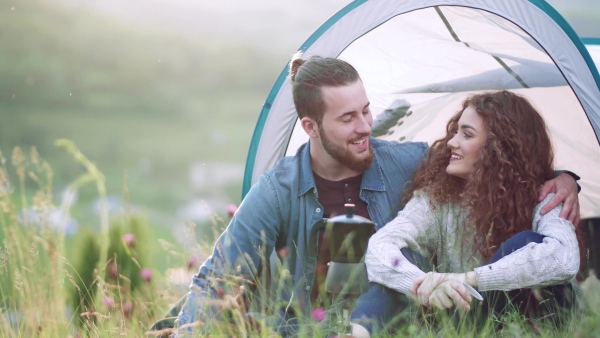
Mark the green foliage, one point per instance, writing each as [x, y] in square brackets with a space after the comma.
[127, 259]
[83, 286]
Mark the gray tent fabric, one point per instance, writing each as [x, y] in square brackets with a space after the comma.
[419, 59]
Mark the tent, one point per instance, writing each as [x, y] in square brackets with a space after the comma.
[419, 59]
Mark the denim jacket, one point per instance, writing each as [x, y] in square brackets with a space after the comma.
[280, 212]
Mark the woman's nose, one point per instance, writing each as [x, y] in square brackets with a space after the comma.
[452, 143]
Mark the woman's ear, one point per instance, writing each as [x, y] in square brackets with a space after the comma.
[310, 127]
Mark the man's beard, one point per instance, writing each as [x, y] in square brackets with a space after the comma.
[344, 155]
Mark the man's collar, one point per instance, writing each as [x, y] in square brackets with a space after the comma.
[307, 181]
[372, 177]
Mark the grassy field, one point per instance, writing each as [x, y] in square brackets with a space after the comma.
[110, 283]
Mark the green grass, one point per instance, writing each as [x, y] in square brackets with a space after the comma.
[45, 274]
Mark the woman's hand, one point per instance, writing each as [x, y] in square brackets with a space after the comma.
[450, 293]
[423, 286]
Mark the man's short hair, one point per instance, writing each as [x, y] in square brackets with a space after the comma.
[308, 76]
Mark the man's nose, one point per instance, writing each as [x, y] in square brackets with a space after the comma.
[364, 124]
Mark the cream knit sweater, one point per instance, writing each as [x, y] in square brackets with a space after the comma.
[438, 231]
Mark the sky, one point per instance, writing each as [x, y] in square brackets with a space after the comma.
[278, 24]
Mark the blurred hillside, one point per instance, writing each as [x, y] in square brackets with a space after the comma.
[169, 113]
[582, 15]
[161, 94]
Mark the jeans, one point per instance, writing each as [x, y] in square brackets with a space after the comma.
[382, 306]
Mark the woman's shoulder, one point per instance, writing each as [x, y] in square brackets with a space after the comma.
[422, 199]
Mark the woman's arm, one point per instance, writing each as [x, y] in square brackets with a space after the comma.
[554, 261]
[414, 227]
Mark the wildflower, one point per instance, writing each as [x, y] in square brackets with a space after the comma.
[283, 253]
[318, 314]
[129, 240]
[127, 308]
[108, 301]
[112, 269]
[146, 274]
[193, 262]
[231, 209]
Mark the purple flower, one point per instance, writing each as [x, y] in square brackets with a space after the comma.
[108, 301]
[193, 262]
[113, 270]
[221, 293]
[231, 209]
[127, 308]
[146, 274]
[129, 240]
[396, 261]
[318, 314]
[283, 253]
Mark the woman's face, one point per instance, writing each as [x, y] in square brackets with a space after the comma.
[466, 144]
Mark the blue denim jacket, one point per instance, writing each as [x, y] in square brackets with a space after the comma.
[280, 211]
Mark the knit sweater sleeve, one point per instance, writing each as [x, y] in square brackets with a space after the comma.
[413, 227]
[554, 261]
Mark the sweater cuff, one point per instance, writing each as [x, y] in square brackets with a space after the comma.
[489, 278]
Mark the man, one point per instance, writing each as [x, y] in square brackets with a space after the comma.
[341, 163]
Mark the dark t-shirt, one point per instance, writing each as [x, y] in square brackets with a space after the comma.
[332, 196]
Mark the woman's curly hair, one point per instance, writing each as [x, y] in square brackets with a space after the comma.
[502, 190]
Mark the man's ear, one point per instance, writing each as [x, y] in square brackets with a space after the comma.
[310, 127]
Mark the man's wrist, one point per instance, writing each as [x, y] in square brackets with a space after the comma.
[570, 173]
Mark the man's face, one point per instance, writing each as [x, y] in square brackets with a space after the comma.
[346, 126]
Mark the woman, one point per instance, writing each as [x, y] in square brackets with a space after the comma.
[470, 209]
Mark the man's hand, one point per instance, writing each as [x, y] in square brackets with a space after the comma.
[450, 293]
[565, 189]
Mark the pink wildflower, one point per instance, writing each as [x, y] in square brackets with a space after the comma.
[193, 262]
[318, 314]
[129, 240]
[112, 269]
[221, 293]
[283, 253]
[146, 274]
[108, 301]
[127, 308]
[231, 209]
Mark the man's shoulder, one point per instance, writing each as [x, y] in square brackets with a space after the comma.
[398, 147]
[285, 170]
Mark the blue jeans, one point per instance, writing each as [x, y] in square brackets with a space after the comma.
[384, 305]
